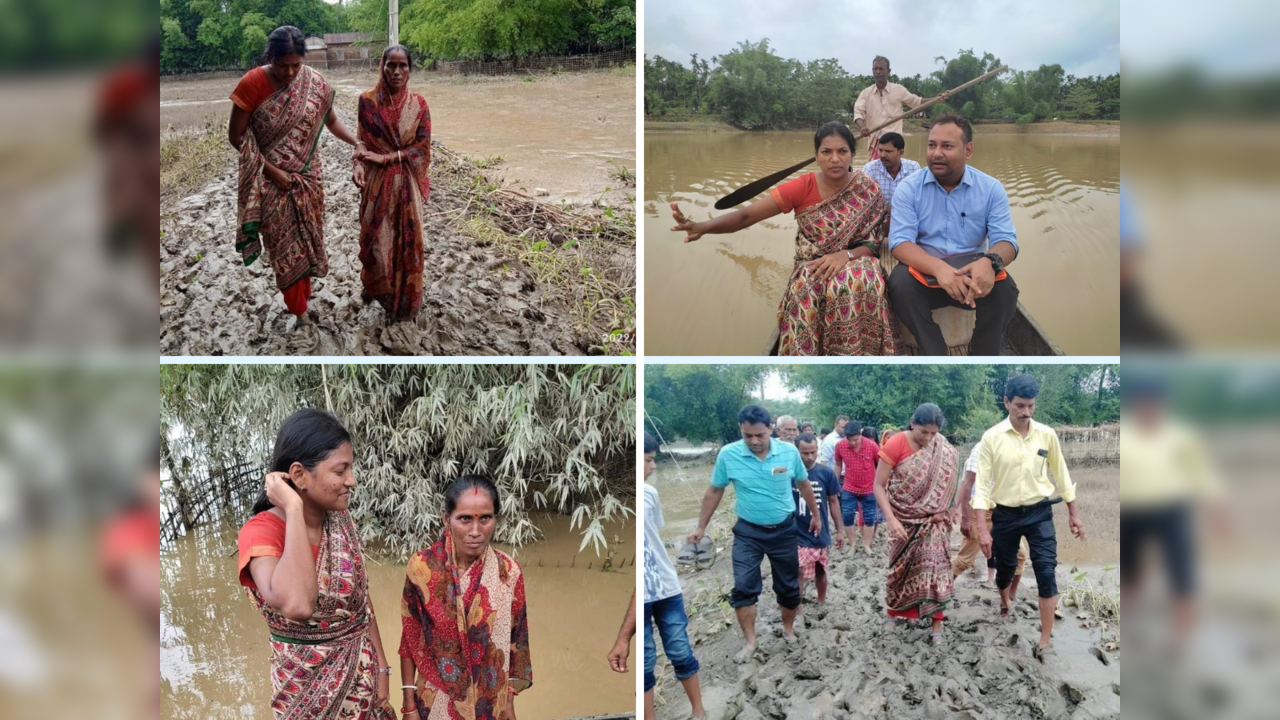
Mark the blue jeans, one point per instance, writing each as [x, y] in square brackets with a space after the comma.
[668, 615]
[849, 504]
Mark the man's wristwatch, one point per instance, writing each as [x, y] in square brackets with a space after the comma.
[997, 262]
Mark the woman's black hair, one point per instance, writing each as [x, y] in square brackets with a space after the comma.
[285, 40]
[871, 432]
[307, 437]
[458, 487]
[835, 127]
[928, 414]
[407, 55]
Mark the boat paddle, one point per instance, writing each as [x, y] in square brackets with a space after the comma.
[754, 188]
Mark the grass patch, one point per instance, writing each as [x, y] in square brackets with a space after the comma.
[188, 160]
[488, 161]
[627, 70]
[622, 174]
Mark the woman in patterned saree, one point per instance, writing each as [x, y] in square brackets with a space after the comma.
[916, 483]
[835, 302]
[278, 112]
[302, 563]
[464, 649]
[392, 174]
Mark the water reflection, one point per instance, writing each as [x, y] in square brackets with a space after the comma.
[214, 652]
[1064, 198]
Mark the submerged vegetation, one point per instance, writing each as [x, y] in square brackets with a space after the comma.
[554, 437]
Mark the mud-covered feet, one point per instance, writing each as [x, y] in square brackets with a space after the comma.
[1043, 652]
[745, 654]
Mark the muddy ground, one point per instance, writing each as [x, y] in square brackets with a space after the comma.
[848, 665]
[486, 292]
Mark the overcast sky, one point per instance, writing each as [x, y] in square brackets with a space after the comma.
[1081, 35]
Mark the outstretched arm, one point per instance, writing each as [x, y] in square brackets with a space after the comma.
[622, 646]
[728, 223]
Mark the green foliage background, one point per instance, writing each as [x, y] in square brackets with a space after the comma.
[213, 34]
[755, 88]
[700, 403]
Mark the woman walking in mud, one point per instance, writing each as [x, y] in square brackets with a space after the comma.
[464, 650]
[278, 112]
[835, 302]
[302, 564]
[395, 126]
[915, 485]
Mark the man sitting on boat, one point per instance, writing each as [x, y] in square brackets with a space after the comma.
[891, 169]
[941, 222]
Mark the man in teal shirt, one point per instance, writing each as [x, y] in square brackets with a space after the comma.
[763, 473]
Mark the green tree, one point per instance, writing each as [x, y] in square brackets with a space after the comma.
[698, 403]
[752, 85]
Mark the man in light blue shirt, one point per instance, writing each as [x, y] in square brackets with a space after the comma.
[762, 472]
[952, 212]
[891, 169]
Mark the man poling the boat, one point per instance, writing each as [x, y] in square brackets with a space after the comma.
[877, 105]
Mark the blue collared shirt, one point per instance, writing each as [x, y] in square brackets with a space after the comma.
[763, 487]
[875, 170]
[951, 223]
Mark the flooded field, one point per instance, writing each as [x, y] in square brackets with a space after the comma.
[564, 133]
[214, 649]
[719, 296]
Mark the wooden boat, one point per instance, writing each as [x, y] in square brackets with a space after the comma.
[1024, 336]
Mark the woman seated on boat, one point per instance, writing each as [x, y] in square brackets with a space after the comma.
[835, 302]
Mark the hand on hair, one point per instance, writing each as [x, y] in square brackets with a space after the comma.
[280, 492]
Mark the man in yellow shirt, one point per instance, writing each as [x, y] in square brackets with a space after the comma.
[1015, 461]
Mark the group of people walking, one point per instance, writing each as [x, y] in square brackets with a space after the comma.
[949, 230]
[798, 493]
[279, 111]
[464, 650]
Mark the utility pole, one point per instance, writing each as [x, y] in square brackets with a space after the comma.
[393, 22]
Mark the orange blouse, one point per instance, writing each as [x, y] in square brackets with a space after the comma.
[262, 536]
[896, 449]
[797, 194]
[254, 87]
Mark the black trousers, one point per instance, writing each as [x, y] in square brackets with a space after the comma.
[914, 302]
[1171, 528]
[1034, 522]
[751, 544]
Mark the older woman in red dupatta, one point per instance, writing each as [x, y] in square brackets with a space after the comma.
[465, 644]
[302, 564]
[278, 113]
[835, 302]
[393, 174]
[916, 484]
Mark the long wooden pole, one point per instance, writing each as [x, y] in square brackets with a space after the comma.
[754, 188]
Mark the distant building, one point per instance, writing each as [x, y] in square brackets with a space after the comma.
[341, 48]
[316, 52]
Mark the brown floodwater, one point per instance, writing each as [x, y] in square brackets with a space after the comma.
[563, 133]
[719, 295]
[214, 650]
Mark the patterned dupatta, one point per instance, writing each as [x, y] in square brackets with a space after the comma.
[285, 130]
[468, 634]
[391, 244]
[920, 487]
[321, 669]
[854, 215]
